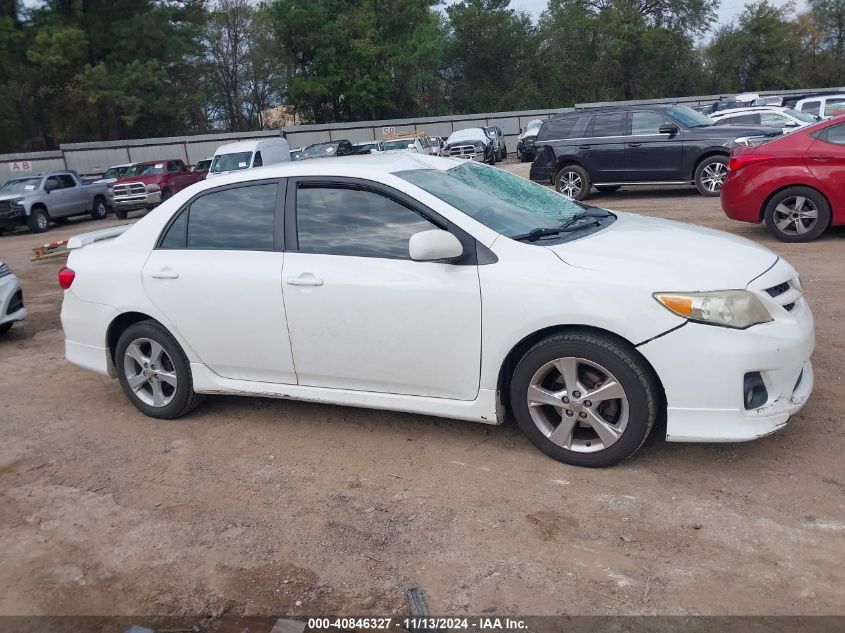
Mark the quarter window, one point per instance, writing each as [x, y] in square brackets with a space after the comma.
[832, 106]
[556, 128]
[239, 219]
[774, 119]
[257, 162]
[607, 125]
[811, 107]
[834, 134]
[644, 123]
[354, 222]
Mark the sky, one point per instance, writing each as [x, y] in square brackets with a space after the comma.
[728, 10]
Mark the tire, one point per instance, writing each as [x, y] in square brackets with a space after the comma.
[38, 220]
[492, 160]
[797, 214]
[598, 362]
[149, 341]
[573, 181]
[710, 175]
[121, 214]
[504, 153]
[608, 188]
[100, 210]
[165, 194]
[6, 327]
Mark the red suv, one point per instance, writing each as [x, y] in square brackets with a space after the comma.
[795, 183]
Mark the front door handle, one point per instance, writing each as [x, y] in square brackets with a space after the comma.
[634, 144]
[821, 157]
[305, 279]
[165, 273]
[584, 146]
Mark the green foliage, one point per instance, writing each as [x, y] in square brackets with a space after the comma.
[77, 70]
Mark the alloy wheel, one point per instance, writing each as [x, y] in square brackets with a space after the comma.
[570, 184]
[578, 404]
[713, 176]
[796, 215]
[42, 221]
[150, 372]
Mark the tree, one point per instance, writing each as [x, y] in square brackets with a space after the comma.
[829, 15]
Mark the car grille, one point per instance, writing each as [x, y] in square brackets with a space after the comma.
[787, 294]
[130, 190]
[462, 151]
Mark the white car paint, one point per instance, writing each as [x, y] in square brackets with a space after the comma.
[432, 337]
[823, 106]
[787, 119]
[11, 309]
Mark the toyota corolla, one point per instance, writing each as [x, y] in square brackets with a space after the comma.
[445, 288]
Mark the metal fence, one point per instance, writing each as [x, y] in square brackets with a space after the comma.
[96, 157]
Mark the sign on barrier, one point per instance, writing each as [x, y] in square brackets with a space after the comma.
[20, 165]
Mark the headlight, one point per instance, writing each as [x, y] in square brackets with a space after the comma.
[730, 308]
[16, 202]
[153, 188]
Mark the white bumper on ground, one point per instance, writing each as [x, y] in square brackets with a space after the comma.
[703, 368]
[85, 325]
[11, 303]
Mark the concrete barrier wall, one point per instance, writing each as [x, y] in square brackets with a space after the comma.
[96, 157]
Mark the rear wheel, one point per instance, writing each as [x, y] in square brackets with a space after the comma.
[154, 371]
[165, 194]
[710, 175]
[100, 210]
[38, 220]
[573, 181]
[584, 399]
[797, 214]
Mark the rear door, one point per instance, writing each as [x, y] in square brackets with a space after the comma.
[652, 156]
[216, 274]
[603, 148]
[826, 159]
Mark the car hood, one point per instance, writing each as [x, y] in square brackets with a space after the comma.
[668, 255]
[731, 131]
[148, 179]
[12, 196]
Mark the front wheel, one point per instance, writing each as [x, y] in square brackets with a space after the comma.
[100, 209]
[797, 214]
[710, 175]
[38, 221]
[154, 371]
[584, 399]
[573, 181]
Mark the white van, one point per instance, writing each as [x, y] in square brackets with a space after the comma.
[248, 154]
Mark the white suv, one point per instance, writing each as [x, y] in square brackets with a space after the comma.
[824, 106]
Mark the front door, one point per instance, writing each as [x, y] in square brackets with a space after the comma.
[652, 156]
[362, 314]
[216, 274]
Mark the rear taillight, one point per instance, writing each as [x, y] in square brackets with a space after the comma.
[739, 161]
[66, 277]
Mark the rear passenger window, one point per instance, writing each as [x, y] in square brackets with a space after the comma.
[811, 106]
[834, 134]
[743, 119]
[607, 125]
[554, 129]
[238, 219]
[834, 106]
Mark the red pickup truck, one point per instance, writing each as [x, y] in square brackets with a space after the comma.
[148, 184]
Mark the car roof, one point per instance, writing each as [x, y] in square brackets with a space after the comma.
[750, 109]
[248, 146]
[160, 160]
[617, 108]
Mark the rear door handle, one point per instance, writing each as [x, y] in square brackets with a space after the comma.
[634, 144]
[165, 273]
[584, 146]
[305, 279]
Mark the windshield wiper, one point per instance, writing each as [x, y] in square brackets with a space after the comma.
[572, 224]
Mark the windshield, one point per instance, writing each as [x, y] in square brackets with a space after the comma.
[801, 116]
[321, 149]
[508, 204]
[231, 162]
[20, 185]
[400, 144]
[688, 116]
[117, 172]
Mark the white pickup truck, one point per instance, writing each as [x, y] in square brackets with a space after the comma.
[56, 196]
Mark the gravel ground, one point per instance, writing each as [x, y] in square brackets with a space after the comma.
[254, 506]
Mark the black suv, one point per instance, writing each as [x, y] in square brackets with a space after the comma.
[635, 145]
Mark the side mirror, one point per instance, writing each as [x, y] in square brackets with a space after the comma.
[668, 129]
[435, 245]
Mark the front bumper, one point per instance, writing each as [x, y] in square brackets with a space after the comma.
[11, 300]
[128, 203]
[12, 217]
[702, 368]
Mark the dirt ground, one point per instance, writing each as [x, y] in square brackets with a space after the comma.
[258, 506]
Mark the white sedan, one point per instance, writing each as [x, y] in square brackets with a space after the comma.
[446, 288]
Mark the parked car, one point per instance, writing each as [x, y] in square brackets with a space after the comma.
[148, 184]
[822, 106]
[56, 196]
[329, 149]
[248, 155]
[295, 153]
[526, 138]
[202, 166]
[11, 299]
[464, 291]
[611, 147]
[472, 144]
[794, 183]
[495, 133]
[115, 172]
[788, 119]
[368, 147]
[404, 145]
